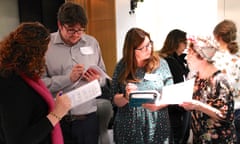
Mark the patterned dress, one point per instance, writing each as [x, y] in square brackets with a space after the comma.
[216, 92]
[136, 125]
[230, 64]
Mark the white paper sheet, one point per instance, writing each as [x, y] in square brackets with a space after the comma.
[177, 93]
[85, 93]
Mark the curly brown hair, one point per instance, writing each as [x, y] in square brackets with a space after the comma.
[23, 50]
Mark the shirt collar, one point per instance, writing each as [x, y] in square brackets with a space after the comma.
[58, 39]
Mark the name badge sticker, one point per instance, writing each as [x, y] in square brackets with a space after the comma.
[152, 77]
[86, 50]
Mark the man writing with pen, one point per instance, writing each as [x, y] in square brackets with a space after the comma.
[71, 52]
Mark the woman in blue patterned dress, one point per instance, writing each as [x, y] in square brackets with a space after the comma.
[141, 69]
[212, 105]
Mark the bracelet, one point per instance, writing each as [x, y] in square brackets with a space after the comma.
[56, 116]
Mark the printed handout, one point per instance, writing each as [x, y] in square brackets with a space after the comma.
[177, 93]
[85, 93]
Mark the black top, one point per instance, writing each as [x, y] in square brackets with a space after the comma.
[22, 114]
[179, 117]
[179, 70]
[178, 67]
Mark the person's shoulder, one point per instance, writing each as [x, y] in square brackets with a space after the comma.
[88, 37]
[220, 76]
[120, 62]
[170, 59]
[55, 38]
[9, 81]
[53, 35]
[236, 57]
[162, 60]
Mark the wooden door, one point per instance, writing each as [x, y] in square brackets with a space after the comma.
[101, 25]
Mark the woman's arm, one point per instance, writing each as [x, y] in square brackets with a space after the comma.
[205, 108]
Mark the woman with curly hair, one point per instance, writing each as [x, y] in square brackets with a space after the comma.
[28, 113]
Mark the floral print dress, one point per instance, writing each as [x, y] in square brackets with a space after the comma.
[136, 125]
[230, 64]
[214, 91]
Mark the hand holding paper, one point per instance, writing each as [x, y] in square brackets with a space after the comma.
[178, 93]
[171, 94]
[93, 72]
[98, 70]
[85, 93]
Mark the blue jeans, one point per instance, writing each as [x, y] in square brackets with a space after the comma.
[237, 124]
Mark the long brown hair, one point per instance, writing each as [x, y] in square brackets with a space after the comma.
[23, 50]
[133, 39]
[227, 31]
[172, 41]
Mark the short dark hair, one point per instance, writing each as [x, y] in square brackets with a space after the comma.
[71, 14]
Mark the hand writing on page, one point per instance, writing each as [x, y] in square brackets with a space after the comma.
[77, 72]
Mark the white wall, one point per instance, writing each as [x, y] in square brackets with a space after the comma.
[124, 21]
[8, 16]
[196, 17]
[155, 16]
[230, 9]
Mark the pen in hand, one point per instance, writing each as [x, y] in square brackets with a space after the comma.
[74, 60]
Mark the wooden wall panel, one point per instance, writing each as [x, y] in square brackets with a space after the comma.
[102, 25]
[107, 42]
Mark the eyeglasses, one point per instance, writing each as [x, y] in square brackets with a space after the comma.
[148, 45]
[72, 31]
